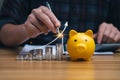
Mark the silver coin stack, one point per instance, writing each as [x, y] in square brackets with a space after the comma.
[59, 51]
[20, 57]
[39, 55]
[30, 55]
[48, 53]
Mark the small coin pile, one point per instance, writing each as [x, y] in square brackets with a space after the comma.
[37, 54]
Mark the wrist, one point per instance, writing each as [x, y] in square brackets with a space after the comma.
[25, 32]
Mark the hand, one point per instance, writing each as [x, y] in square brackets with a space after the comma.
[107, 33]
[41, 20]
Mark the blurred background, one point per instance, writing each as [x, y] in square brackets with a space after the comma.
[1, 1]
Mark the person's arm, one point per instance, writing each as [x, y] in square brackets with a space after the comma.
[12, 17]
[109, 31]
[40, 20]
[13, 35]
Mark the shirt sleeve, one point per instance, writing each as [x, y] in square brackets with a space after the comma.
[114, 13]
[14, 11]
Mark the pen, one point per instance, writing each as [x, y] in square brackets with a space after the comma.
[48, 5]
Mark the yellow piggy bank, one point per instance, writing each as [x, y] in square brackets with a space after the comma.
[80, 45]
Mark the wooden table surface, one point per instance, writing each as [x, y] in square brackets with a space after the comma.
[101, 67]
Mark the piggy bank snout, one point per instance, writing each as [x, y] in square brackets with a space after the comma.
[81, 47]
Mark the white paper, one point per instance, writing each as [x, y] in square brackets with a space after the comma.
[27, 48]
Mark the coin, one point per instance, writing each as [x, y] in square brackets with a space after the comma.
[59, 51]
[48, 51]
[39, 54]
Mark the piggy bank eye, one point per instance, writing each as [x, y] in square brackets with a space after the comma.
[86, 40]
[75, 40]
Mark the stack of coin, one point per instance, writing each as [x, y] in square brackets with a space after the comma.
[30, 56]
[20, 57]
[34, 52]
[48, 53]
[59, 51]
[26, 57]
[39, 54]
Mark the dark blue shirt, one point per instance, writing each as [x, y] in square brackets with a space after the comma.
[81, 14]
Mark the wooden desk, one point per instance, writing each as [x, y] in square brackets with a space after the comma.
[101, 67]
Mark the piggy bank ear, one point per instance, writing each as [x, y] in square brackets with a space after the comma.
[89, 33]
[72, 33]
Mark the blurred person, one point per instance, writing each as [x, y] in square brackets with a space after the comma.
[32, 22]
